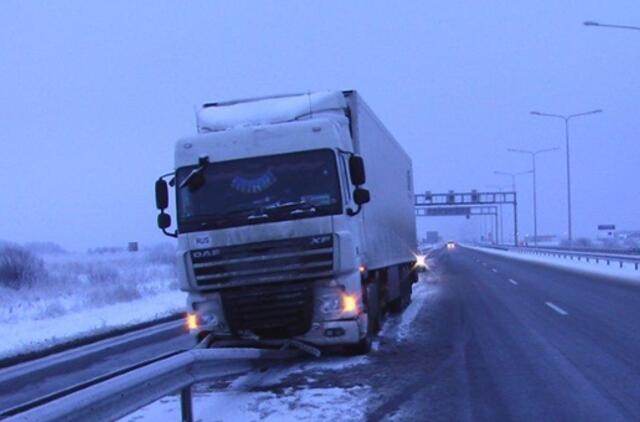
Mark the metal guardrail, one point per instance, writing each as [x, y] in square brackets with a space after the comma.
[605, 258]
[123, 394]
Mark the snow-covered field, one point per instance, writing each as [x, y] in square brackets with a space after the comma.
[80, 294]
[269, 396]
[627, 272]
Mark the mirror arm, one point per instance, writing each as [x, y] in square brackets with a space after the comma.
[352, 213]
[166, 233]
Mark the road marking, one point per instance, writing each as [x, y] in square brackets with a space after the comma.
[557, 308]
[512, 281]
[494, 270]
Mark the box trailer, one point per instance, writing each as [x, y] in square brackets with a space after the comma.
[295, 221]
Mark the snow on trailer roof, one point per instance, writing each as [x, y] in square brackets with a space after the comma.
[262, 111]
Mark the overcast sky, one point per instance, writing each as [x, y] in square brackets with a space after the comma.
[93, 96]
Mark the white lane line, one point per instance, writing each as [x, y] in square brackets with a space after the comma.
[512, 281]
[557, 308]
[494, 270]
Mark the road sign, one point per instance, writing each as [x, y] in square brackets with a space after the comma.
[606, 226]
[444, 211]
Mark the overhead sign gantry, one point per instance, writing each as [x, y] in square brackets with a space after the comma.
[466, 204]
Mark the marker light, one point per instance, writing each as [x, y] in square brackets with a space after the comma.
[362, 268]
[192, 321]
[349, 303]
[421, 263]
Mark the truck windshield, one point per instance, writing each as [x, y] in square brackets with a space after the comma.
[260, 189]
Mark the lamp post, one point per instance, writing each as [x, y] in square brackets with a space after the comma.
[513, 188]
[533, 155]
[606, 25]
[566, 133]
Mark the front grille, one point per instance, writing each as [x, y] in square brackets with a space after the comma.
[258, 263]
[273, 311]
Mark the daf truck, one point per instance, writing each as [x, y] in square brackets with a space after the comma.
[295, 221]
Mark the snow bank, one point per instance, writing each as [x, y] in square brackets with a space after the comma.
[264, 111]
[626, 273]
[86, 294]
[26, 336]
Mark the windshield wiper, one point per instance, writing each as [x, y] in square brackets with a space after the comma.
[299, 207]
[310, 209]
[195, 180]
[257, 216]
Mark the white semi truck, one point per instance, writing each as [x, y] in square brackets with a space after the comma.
[281, 237]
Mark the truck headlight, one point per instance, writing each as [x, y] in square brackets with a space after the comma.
[330, 304]
[209, 313]
[349, 304]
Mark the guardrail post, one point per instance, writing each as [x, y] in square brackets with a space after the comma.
[186, 404]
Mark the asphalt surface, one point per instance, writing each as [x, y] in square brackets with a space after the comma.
[501, 340]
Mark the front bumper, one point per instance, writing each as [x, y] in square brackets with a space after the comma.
[327, 322]
[321, 333]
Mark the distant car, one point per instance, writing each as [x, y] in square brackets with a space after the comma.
[451, 244]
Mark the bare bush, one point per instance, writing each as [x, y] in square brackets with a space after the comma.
[19, 267]
[110, 294]
[45, 248]
[102, 273]
[162, 253]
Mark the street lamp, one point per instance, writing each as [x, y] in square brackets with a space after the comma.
[513, 188]
[605, 25]
[535, 201]
[513, 176]
[566, 132]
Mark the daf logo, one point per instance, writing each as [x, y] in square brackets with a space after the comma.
[206, 253]
[320, 240]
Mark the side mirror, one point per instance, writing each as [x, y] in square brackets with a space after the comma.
[162, 194]
[164, 221]
[356, 170]
[361, 196]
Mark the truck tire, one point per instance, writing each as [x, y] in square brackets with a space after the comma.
[362, 347]
[406, 286]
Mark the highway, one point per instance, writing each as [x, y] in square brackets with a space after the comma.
[506, 340]
[486, 339]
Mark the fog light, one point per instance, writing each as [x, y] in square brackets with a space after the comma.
[334, 332]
